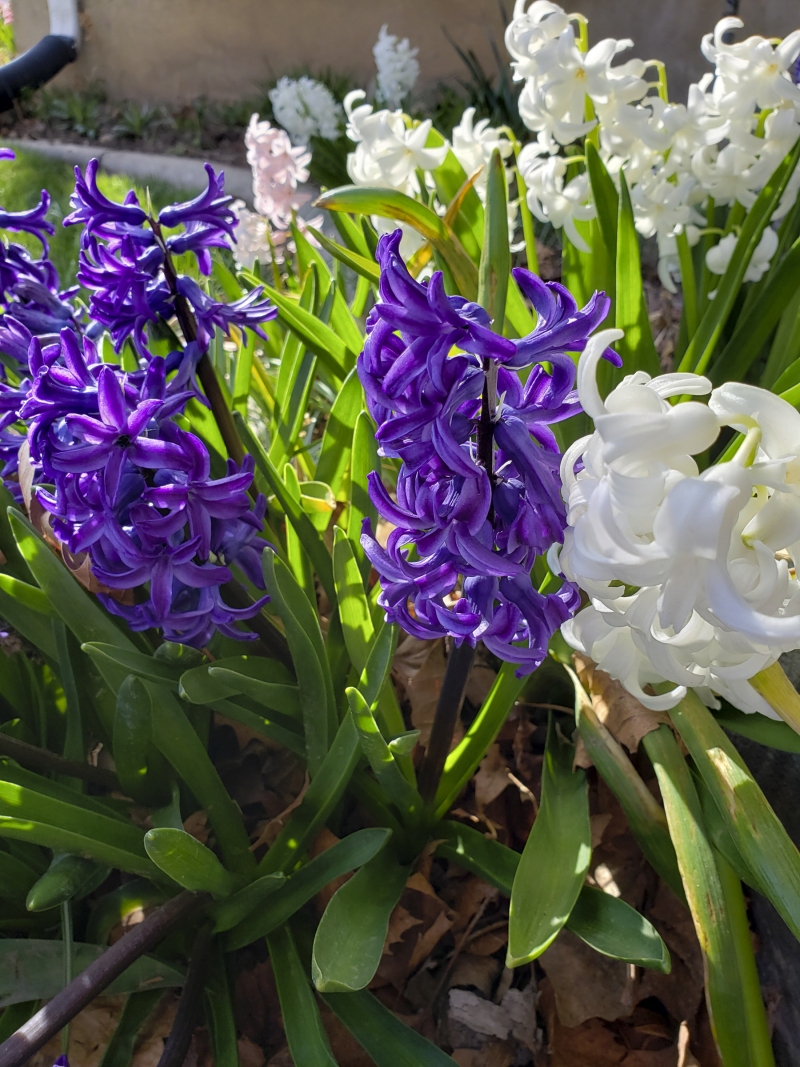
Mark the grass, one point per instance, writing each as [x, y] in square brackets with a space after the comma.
[21, 182]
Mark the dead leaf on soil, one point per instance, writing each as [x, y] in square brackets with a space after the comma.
[622, 714]
[491, 778]
[268, 832]
[197, 826]
[586, 984]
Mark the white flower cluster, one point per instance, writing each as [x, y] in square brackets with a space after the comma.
[306, 108]
[725, 142]
[278, 168]
[691, 576]
[391, 151]
[397, 66]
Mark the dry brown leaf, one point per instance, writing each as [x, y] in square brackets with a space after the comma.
[493, 1054]
[250, 1055]
[399, 921]
[473, 970]
[427, 941]
[423, 689]
[489, 943]
[197, 826]
[481, 680]
[686, 1057]
[622, 714]
[599, 824]
[514, 1016]
[586, 984]
[491, 778]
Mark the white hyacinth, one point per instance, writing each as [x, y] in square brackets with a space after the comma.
[690, 574]
[397, 66]
[306, 108]
[738, 123]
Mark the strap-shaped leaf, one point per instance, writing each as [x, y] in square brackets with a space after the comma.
[230, 912]
[337, 441]
[555, 859]
[611, 926]
[701, 347]
[351, 934]
[382, 760]
[310, 538]
[345, 856]
[322, 795]
[308, 653]
[141, 768]
[367, 268]
[388, 1041]
[28, 596]
[31, 969]
[637, 347]
[365, 461]
[305, 1034]
[320, 339]
[60, 840]
[135, 663]
[186, 861]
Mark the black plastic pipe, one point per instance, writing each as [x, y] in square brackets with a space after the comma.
[35, 67]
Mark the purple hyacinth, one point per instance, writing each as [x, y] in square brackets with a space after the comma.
[126, 263]
[134, 491]
[122, 480]
[478, 493]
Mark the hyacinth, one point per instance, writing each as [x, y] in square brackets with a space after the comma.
[690, 573]
[306, 108]
[121, 480]
[278, 168]
[34, 306]
[397, 67]
[476, 500]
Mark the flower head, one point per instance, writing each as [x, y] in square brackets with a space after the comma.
[397, 65]
[477, 496]
[689, 572]
[306, 108]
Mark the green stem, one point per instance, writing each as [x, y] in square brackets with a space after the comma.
[66, 938]
[527, 224]
[688, 285]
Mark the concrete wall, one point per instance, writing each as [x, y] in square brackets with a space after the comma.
[175, 50]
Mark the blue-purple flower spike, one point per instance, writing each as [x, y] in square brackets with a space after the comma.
[475, 503]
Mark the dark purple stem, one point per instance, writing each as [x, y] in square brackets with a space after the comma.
[38, 1030]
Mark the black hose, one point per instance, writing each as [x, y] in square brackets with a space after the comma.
[35, 67]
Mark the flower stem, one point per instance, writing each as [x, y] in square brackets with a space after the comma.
[186, 1017]
[42, 760]
[451, 697]
[486, 423]
[38, 1030]
[205, 368]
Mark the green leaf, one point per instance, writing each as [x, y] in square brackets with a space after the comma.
[555, 859]
[219, 1013]
[365, 460]
[366, 268]
[319, 800]
[308, 653]
[17, 878]
[20, 801]
[352, 931]
[134, 662]
[298, 560]
[637, 347]
[707, 900]
[755, 829]
[381, 759]
[337, 441]
[137, 1009]
[772, 732]
[30, 623]
[495, 264]
[645, 816]
[311, 540]
[606, 199]
[200, 687]
[64, 880]
[304, 884]
[318, 338]
[305, 1034]
[465, 758]
[381, 1034]
[754, 327]
[391, 204]
[28, 596]
[34, 970]
[609, 926]
[60, 840]
[354, 610]
[187, 862]
[140, 767]
[234, 909]
[702, 345]
[614, 928]
[177, 740]
[251, 675]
